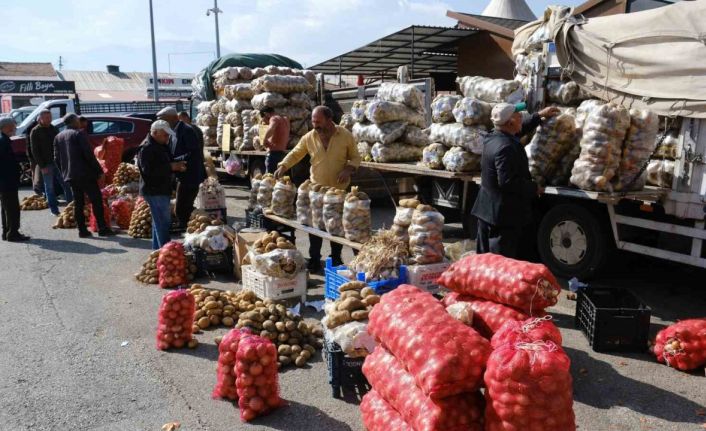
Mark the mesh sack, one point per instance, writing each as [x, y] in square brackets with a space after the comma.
[279, 263]
[660, 173]
[529, 287]
[640, 143]
[433, 156]
[384, 133]
[347, 121]
[564, 93]
[272, 100]
[527, 331]
[299, 99]
[264, 192]
[444, 356]
[175, 318]
[471, 112]
[121, 210]
[459, 160]
[225, 372]
[458, 135]
[442, 108]
[407, 94]
[281, 84]
[413, 135]
[682, 345]
[554, 138]
[395, 152]
[358, 111]
[283, 196]
[239, 91]
[357, 220]
[382, 111]
[668, 148]
[256, 377]
[491, 90]
[378, 415]
[403, 218]
[303, 204]
[316, 200]
[425, 235]
[234, 119]
[333, 211]
[294, 113]
[364, 150]
[171, 265]
[565, 164]
[93, 222]
[488, 316]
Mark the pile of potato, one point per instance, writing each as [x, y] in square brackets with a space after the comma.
[355, 303]
[126, 174]
[149, 274]
[200, 220]
[272, 241]
[66, 219]
[33, 203]
[141, 221]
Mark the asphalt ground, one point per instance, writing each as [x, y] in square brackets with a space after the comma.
[78, 346]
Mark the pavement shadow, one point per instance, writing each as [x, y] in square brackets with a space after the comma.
[301, 417]
[143, 244]
[207, 351]
[601, 386]
[68, 246]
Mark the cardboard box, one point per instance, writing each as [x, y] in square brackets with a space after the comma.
[243, 241]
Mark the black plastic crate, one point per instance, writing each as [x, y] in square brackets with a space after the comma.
[613, 320]
[343, 371]
[218, 262]
[256, 219]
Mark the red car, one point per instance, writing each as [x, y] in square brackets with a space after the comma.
[132, 130]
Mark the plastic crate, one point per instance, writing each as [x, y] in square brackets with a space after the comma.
[613, 320]
[257, 220]
[272, 287]
[333, 280]
[221, 261]
[343, 371]
[425, 276]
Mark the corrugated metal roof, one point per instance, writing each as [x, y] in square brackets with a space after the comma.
[122, 81]
[512, 24]
[8, 68]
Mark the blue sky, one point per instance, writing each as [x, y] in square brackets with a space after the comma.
[89, 34]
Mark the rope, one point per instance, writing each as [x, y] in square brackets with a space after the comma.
[537, 346]
[534, 323]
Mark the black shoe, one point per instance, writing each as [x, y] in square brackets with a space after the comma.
[336, 261]
[106, 232]
[17, 238]
[314, 266]
[84, 234]
[4, 236]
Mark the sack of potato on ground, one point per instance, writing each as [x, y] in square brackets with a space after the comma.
[34, 203]
[140, 221]
[66, 219]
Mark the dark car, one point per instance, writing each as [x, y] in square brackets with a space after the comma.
[132, 130]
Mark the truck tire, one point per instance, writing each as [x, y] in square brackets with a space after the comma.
[571, 242]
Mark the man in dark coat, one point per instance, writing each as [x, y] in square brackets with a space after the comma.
[504, 203]
[37, 181]
[81, 171]
[184, 146]
[9, 184]
[42, 143]
[185, 118]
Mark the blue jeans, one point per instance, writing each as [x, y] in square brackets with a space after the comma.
[161, 219]
[49, 178]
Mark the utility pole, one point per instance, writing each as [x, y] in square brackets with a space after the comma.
[216, 11]
[155, 81]
[61, 63]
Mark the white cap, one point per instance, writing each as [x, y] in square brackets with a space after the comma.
[501, 113]
[162, 125]
[169, 110]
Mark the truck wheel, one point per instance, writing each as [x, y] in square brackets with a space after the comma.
[26, 174]
[571, 242]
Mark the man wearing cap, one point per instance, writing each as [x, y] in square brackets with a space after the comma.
[156, 167]
[184, 146]
[504, 203]
[42, 143]
[9, 183]
[274, 135]
[186, 119]
[74, 157]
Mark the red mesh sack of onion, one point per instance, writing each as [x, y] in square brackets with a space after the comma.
[225, 374]
[462, 412]
[529, 287]
[256, 377]
[445, 356]
[682, 345]
[171, 265]
[488, 316]
[93, 222]
[378, 415]
[527, 331]
[528, 388]
[121, 210]
[176, 314]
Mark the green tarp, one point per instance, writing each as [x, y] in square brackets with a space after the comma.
[203, 85]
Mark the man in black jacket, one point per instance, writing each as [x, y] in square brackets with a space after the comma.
[184, 146]
[9, 184]
[37, 182]
[185, 118]
[504, 203]
[81, 171]
[42, 143]
[156, 167]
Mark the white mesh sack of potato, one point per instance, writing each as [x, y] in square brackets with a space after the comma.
[667, 149]
[550, 143]
[239, 91]
[564, 93]
[282, 84]
[491, 90]
[258, 72]
[264, 193]
[280, 263]
[357, 221]
[442, 108]
[205, 107]
[640, 142]
[413, 135]
[206, 120]
[294, 113]
[471, 112]
[660, 173]
[433, 156]
[383, 111]
[457, 135]
[358, 111]
[347, 121]
[234, 119]
[283, 196]
[395, 152]
[403, 218]
[219, 127]
[565, 164]
[316, 200]
[238, 105]
[249, 137]
[254, 188]
[219, 107]
[425, 235]
[271, 100]
[584, 110]
[385, 133]
[601, 146]
[364, 150]
[407, 94]
[333, 211]
[459, 160]
[301, 100]
[303, 203]
[299, 127]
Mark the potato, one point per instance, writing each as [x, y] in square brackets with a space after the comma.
[228, 321]
[295, 334]
[269, 326]
[296, 349]
[281, 327]
[317, 331]
[359, 314]
[300, 361]
[293, 341]
[283, 337]
[193, 343]
[309, 348]
[350, 294]
[350, 304]
[199, 314]
[215, 320]
[195, 329]
[305, 354]
[284, 349]
[371, 300]
[284, 360]
[204, 322]
[290, 325]
[367, 291]
[352, 285]
[338, 318]
[214, 312]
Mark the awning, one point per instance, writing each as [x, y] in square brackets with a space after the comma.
[423, 49]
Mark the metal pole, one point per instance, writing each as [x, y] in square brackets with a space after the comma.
[154, 58]
[218, 38]
[340, 73]
[412, 51]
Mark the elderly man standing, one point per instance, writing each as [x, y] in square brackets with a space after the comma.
[504, 203]
[274, 135]
[81, 171]
[186, 119]
[184, 146]
[42, 142]
[156, 167]
[334, 158]
[9, 184]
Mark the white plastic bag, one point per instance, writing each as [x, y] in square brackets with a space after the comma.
[280, 263]
[383, 111]
[459, 160]
[457, 135]
[660, 173]
[433, 156]
[442, 108]
[233, 164]
[395, 152]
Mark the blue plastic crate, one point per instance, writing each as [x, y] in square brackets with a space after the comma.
[334, 280]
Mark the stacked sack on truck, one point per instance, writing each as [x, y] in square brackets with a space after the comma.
[553, 146]
[660, 171]
[390, 127]
[208, 123]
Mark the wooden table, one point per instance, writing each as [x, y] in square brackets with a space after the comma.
[414, 169]
[312, 231]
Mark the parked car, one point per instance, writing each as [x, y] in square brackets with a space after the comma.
[132, 130]
[19, 114]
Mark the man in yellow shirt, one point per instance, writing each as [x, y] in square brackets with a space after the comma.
[334, 158]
